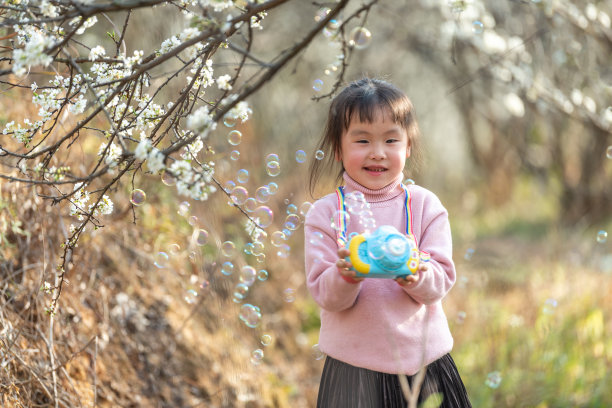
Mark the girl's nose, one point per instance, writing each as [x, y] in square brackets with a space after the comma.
[377, 151]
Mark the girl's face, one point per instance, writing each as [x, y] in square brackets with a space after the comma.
[374, 154]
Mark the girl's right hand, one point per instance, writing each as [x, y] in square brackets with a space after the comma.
[344, 267]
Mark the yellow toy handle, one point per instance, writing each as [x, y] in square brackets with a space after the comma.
[358, 264]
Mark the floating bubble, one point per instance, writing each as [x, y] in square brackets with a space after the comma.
[167, 178]
[263, 216]
[477, 27]
[270, 157]
[239, 195]
[602, 236]
[229, 120]
[227, 268]
[266, 340]
[257, 356]
[204, 285]
[319, 154]
[174, 249]
[317, 354]
[460, 317]
[262, 194]
[161, 260]
[469, 253]
[272, 188]
[321, 13]
[305, 207]
[234, 137]
[300, 156]
[138, 197]
[356, 203]
[292, 209]
[292, 222]
[278, 238]
[248, 274]
[289, 295]
[259, 235]
[193, 221]
[273, 168]
[229, 186]
[200, 237]
[250, 315]
[331, 29]
[493, 380]
[261, 258]
[242, 176]
[360, 38]
[550, 305]
[250, 204]
[316, 238]
[287, 232]
[283, 251]
[609, 152]
[248, 248]
[240, 292]
[317, 85]
[228, 249]
[340, 219]
[409, 181]
[234, 155]
[258, 248]
[191, 296]
[183, 209]
[262, 275]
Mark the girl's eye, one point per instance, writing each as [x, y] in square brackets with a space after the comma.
[391, 140]
[362, 141]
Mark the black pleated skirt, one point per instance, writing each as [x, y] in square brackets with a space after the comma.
[347, 386]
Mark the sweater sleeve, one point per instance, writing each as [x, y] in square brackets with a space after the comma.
[323, 280]
[435, 239]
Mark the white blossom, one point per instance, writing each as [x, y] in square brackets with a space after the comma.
[223, 82]
[514, 104]
[200, 119]
[96, 52]
[155, 160]
[33, 52]
[142, 150]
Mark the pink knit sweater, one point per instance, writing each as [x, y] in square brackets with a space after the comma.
[378, 324]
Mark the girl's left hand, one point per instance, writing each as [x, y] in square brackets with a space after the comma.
[411, 280]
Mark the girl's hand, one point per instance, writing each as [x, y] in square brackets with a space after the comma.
[344, 267]
[411, 280]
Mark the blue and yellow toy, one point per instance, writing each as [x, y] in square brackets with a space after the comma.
[384, 253]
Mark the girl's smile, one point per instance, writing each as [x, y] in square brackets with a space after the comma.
[373, 154]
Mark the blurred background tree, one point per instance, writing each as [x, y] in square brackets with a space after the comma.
[222, 100]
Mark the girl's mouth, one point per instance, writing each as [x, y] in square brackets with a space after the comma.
[375, 169]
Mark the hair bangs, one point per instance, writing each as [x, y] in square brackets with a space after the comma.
[366, 105]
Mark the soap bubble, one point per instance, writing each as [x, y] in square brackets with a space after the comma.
[259, 235]
[234, 137]
[183, 209]
[477, 27]
[242, 176]
[469, 253]
[272, 188]
[317, 354]
[317, 85]
[292, 222]
[248, 248]
[270, 157]
[193, 221]
[229, 186]
[138, 197]
[240, 292]
[239, 195]
[200, 237]
[305, 207]
[460, 317]
[227, 268]
[250, 204]
[493, 380]
[234, 155]
[602, 236]
[248, 274]
[262, 194]
[300, 156]
[289, 295]
[250, 315]
[229, 120]
[409, 181]
[191, 296]
[262, 275]
[331, 29]
[283, 251]
[316, 238]
[339, 218]
[273, 168]
[161, 260]
[263, 216]
[167, 178]
[321, 14]
[228, 249]
[292, 209]
[356, 203]
[257, 356]
[609, 152]
[174, 249]
[278, 238]
[266, 340]
[550, 305]
[360, 38]
[319, 154]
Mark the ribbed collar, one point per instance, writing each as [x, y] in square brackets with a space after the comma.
[375, 196]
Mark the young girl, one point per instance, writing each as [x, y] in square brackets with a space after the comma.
[378, 332]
